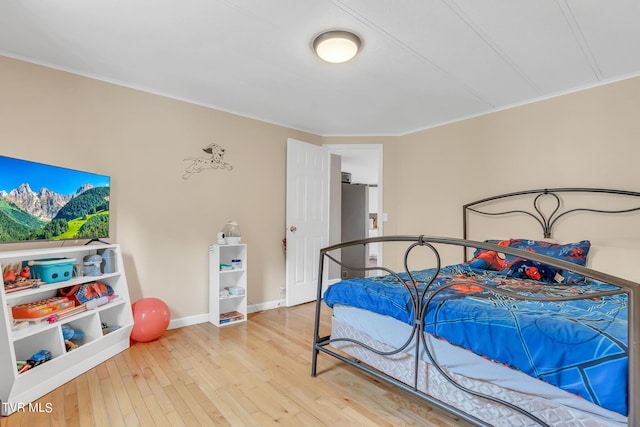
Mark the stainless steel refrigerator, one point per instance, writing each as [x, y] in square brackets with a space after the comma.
[355, 226]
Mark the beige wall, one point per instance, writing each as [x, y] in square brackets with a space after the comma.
[585, 139]
[164, 222]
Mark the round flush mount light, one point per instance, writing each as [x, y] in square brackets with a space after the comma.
[337, 46]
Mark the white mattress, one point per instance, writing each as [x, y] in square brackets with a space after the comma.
[458, 361]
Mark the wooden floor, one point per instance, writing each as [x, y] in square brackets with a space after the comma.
[252, 374]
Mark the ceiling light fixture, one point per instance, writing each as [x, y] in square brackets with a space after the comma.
[337, 46]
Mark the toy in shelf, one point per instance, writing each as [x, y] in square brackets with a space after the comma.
[20, 284]
[52, 270]
[35, 360]
[67, 312]
[16, 282]
[106, 328]
[39, 310]
[70, 334]
[9, 276]
[25, 273]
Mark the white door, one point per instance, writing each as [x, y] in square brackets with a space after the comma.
[307, 221]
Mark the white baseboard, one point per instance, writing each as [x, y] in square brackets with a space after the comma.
[188, 321]
[202, 318]
[253, 308]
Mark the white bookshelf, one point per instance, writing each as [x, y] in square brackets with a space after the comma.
[19, 341]
[220, 280]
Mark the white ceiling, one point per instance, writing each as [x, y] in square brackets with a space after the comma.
[423, 62]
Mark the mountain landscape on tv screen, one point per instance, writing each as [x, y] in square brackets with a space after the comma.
[47, 215]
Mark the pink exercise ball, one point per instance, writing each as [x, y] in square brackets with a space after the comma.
[150, 319]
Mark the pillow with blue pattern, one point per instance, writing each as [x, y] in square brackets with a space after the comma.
[570, 252]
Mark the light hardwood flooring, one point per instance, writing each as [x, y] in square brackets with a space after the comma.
[251, 374]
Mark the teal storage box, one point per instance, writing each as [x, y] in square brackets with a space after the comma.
[52, 270]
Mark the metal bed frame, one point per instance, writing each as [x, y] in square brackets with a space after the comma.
[322, 344]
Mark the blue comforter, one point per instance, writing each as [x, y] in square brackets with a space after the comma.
[579, 346]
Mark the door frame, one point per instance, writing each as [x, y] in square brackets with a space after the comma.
[378, 149]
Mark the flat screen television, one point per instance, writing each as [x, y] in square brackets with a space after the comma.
[45, 202]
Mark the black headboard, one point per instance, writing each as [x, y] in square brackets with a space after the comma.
[549, 217]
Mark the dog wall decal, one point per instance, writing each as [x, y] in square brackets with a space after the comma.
[214, 161]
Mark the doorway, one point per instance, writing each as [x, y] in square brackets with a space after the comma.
[364, 163]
